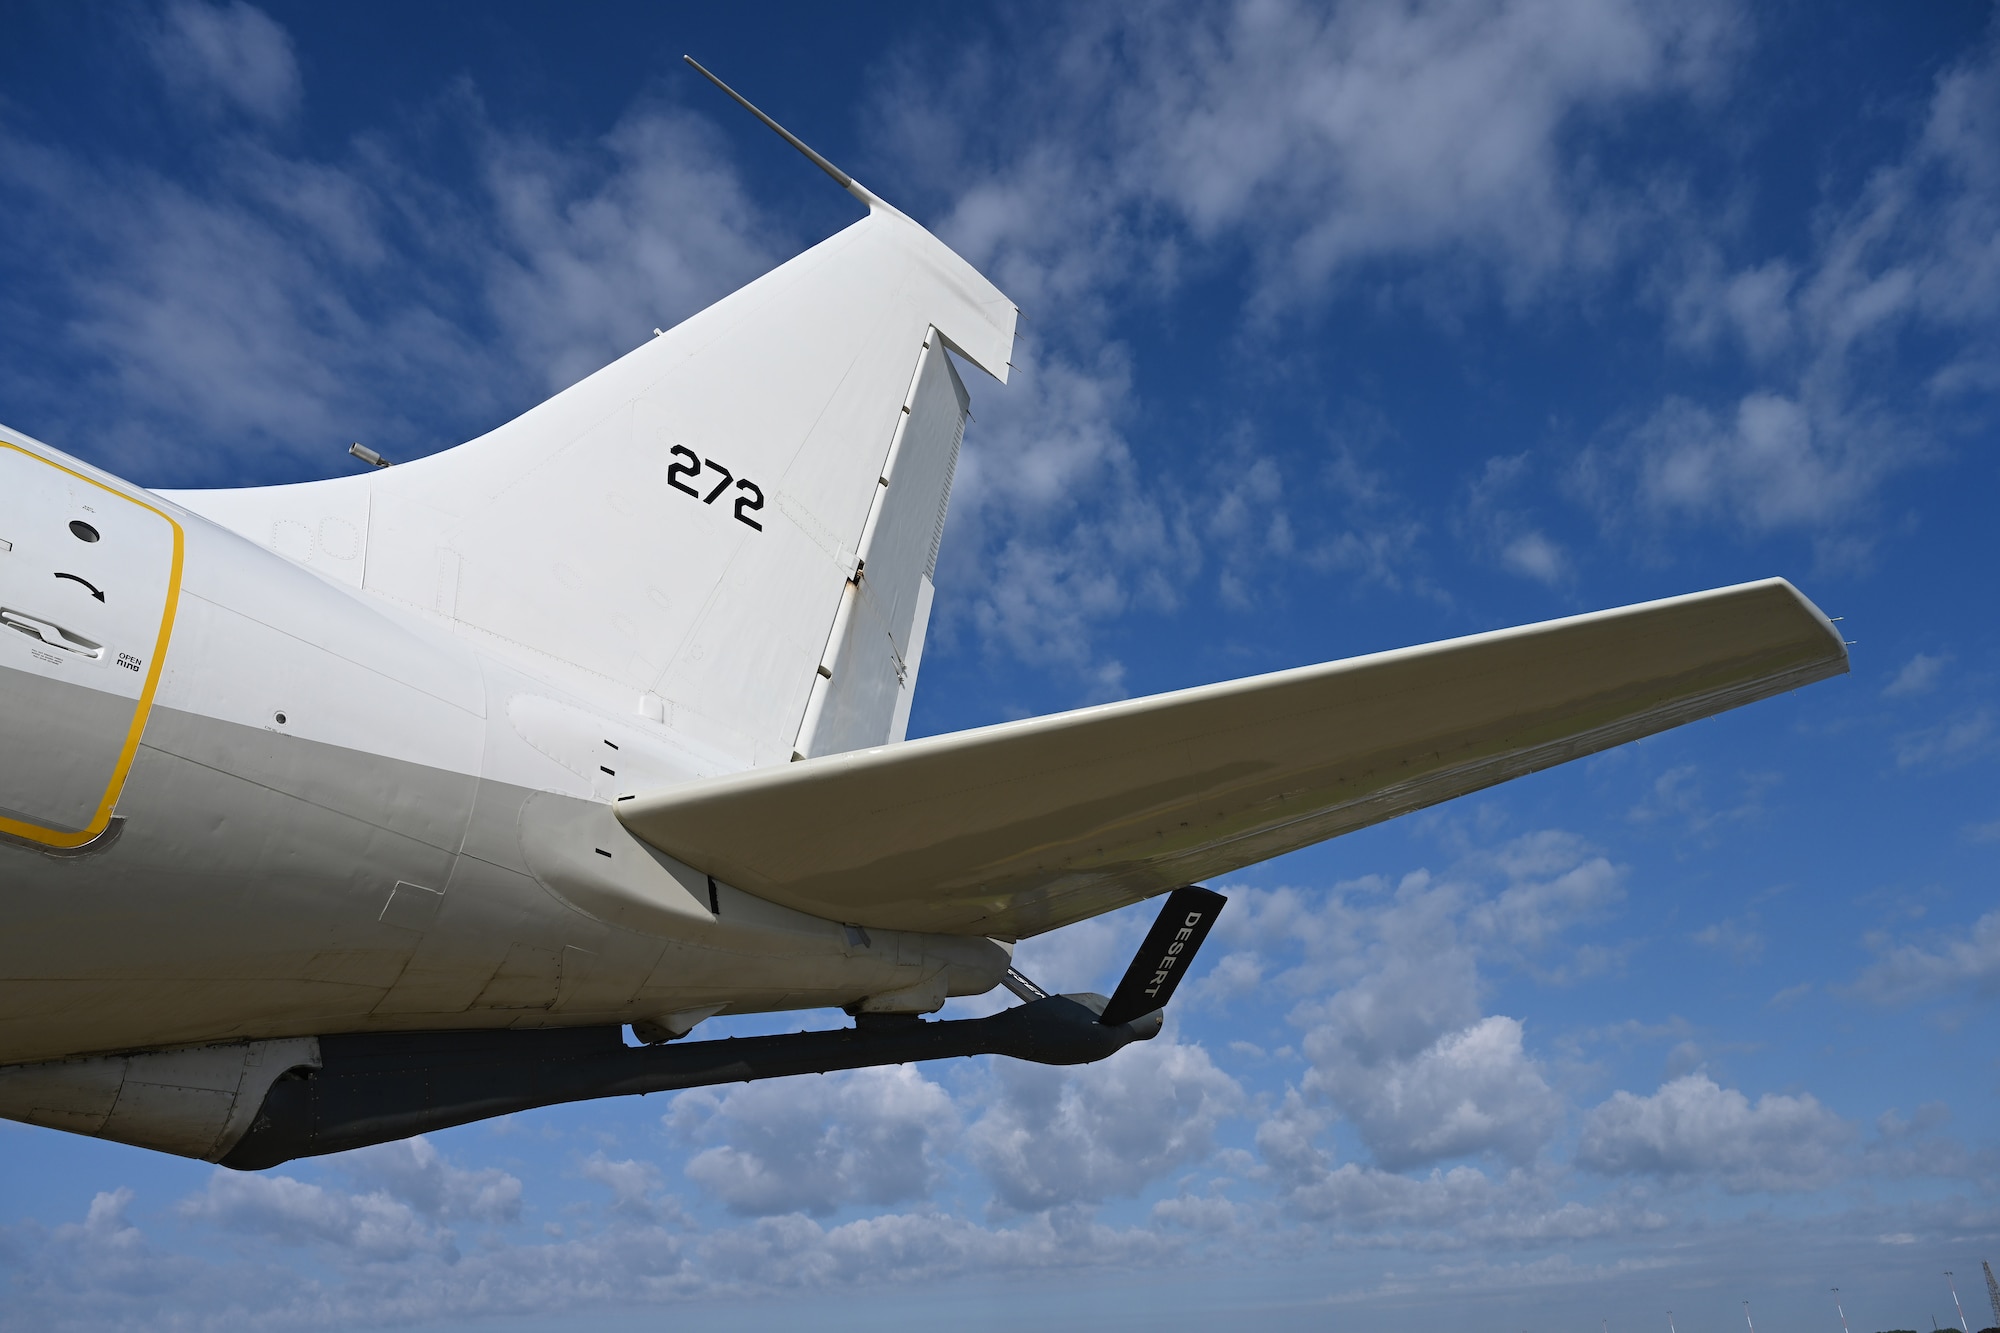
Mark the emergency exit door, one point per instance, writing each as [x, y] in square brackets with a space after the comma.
[89, 579]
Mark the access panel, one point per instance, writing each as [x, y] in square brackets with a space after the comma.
[89, 579]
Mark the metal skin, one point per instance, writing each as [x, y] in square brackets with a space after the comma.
[261, 882]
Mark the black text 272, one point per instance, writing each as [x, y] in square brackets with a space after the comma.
[748, 502]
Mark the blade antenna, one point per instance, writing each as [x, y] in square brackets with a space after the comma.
[846, 181]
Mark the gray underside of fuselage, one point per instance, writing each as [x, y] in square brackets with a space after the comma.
[61, 747]
[248, 892]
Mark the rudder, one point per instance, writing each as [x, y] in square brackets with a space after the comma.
[868, 674]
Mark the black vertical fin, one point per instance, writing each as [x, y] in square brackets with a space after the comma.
[1164, 956]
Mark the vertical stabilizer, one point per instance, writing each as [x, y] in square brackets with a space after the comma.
[677, 534]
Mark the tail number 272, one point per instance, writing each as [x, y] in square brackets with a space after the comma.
[747, 503]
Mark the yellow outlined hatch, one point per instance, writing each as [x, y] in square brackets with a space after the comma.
[100, 817]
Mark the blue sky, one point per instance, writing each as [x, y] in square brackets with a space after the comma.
[1345, 328]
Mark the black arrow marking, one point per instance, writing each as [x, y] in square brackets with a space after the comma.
[78, 578]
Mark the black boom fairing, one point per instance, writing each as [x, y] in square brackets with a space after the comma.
[375, 1087]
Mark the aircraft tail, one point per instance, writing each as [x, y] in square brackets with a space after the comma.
[731, 529]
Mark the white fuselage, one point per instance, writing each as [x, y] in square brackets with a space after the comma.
[334, 814]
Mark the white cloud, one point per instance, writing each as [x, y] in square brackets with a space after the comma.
[227, 57]
[1469, 1091]
[1434, 156]
[1555, 882]
[1494, 520]
[107, 1220]
[1911, 257]
[1693, 1129]
[1389, 985]
[813, 1145]
[1913, 1147]
[1678, 794]
[414, 1172]
[1921, 244]
[1450, 1208]
[1754, 306]
[1770, 461]
[273, 303]
[1534, 556]
[1213, 1214]
[634, 1187]
[1460, 1207]
[1054, 1137]
[370, 1227]
[1440, 152]
[1408, 982]
[1286, 943]
[1326, 138]
[1965, 960]
[1919, 675]
[592, 249]
[1052, 530]
[1289, 1140]
[1402, 1051]
[1737, 937]
[1952, 741]
[783, 1252]
[106, 1273]
[1791, 995]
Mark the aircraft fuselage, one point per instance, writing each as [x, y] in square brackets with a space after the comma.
[244, 801]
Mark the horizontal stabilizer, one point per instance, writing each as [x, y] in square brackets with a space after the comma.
[1015, 829]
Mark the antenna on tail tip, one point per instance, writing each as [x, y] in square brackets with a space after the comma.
[845, 181]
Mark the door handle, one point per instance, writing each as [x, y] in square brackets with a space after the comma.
[55, 636]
